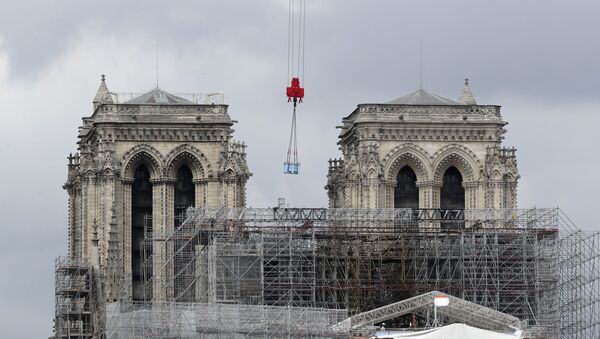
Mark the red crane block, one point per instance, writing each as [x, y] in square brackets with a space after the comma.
[295, 92]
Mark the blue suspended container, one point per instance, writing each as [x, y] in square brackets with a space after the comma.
[291, 167]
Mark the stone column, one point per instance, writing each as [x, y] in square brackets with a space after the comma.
[481, 195]
[237, 192]
[471, 188]
[78, 221]
[87, 217]
[365, 193]
[494, 194]
[241, 193]
[200, 186]
[114, 246]
[231, 191]
[429, 193]
[332, 197]
[74, 225]
[350, 193]
[225, 199]
[102, 225]
[511, 195]
[429, 197]
[424, 193]
[229, 187]
[108, 197]
[95, 216]
[168, 201]
[387, 193]
[162, 229]
[355, 189]
[214, 193]
[126, 183]
[372, 202]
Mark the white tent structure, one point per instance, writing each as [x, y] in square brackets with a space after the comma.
[452, 331]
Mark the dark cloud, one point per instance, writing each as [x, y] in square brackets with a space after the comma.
[537, 59]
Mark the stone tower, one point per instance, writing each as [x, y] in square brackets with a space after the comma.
[422, 150]
[140, 164]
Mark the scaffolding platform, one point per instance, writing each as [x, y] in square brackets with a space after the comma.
[74, 300]
[531, 264]
[214, 320]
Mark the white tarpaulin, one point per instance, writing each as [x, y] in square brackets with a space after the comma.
[453, 331]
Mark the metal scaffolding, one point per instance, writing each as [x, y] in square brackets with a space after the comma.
[236, 272]
[579, 281]
[214, 320]
[75, 303]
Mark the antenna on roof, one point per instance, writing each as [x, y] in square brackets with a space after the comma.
[156, 62]
[421, 67]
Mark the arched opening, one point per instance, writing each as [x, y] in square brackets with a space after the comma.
[406, 193]
[185, 193]
[185, 196]
[141, 228]
[452, 196]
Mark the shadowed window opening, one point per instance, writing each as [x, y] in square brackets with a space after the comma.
[141, 217]
[453, 193]
[452, 197]
[406, 193]
[185, 196]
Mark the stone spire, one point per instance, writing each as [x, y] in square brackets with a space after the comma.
[467, 98]
[102, 95]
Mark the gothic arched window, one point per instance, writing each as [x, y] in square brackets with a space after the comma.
[452, 196]
[406, 194]
[185, 193]
[141, 224]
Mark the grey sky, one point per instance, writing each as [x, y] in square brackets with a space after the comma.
[538, 59]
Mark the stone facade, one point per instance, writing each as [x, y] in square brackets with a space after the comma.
[162, 133]
[428, 134]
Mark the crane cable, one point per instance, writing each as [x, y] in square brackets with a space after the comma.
[293, 144]
[295, 67]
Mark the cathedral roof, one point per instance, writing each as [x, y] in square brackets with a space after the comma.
[422, 97]
[158, 96]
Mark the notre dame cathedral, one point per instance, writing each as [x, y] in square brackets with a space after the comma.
[142, 162]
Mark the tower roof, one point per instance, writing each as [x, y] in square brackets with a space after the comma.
[103, 94]
[467, 98]
[160, 97]
[422, 97]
